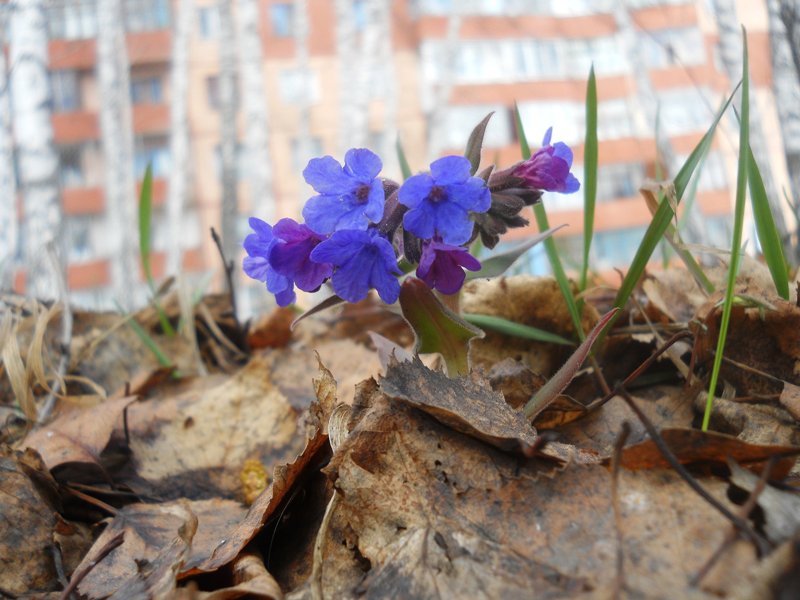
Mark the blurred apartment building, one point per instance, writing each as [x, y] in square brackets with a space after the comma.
[533, 52]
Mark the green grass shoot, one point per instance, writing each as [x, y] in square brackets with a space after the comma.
[549, 245]
[405, 169]
[145, 220]
[512, 328]
[738, 225]
[590, 155]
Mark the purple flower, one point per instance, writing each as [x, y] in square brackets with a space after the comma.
[257, 265]
[349, 197]
[363, 260]
[440, 202]
[548, 169]
[289, 255]
[441, 266]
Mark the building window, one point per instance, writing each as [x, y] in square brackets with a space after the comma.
[212, 91]
[70, 166]
[281, 16]
[208, 21]
[146, 15]
[241, 162]
[616, 248]
[622, 180]
[297, 86]
[359, 14]
[461, 120]
[146, 90]
[675, 46]
[79, 238]
[72, 19]
[66, 90]
[684, 111]
[153, 150]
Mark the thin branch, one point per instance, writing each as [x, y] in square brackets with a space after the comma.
[228, 266]
[79, 576]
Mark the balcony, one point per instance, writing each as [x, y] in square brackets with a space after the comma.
[76, 126]
[89, 200]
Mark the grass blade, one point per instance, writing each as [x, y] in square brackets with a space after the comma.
[549, 245]
[501, 325]
[738, 225]
[765, 226]
[145, 217]
[405, 169]
[589, 174]
[664, 215]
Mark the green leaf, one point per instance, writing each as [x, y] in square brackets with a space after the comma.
[559, 382]
[475, 144]
[497, 264]
[145, 216]
[437, 329]
[738, 225]
[401, 158]
[767, 231]
[501, 325]
[549, 245]
[589, 174]
[664, 215]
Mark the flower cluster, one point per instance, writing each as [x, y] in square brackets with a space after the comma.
[358, 225]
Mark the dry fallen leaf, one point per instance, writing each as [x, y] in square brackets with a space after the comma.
[790, 399]
[28, 520]
[466, 405]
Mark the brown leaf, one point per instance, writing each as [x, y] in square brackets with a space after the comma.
[193, 444]
[28, 521]
[285, 476]
[466, 405]
[273, 330]
[765, 340]
[515, 380]
[252, 581]
[790, 399]
[427, 512]
[173, 537]
[78, 436]
[752, 423]
[673, 296]
[692, 446]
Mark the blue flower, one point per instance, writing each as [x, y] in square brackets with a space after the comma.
[441, 266]
[440, 202]
[257, 265]
[349, 197]
[548, 169]
[362, 260]
[289, 256]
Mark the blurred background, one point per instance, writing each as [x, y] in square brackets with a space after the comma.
[228, 101]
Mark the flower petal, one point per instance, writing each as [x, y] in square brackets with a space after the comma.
[385, 283]
[322, 213]
[256, 267]
[340, 247]
[450, 169]
[420, 221]
[351, 280]
[375, 202]
[453, 224]
[364, 165]
[326, 176]
[415, 190]
[471, 195]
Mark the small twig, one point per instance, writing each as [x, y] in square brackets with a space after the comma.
[228, 266]
[619, 581]
[79, 576]
[760, 543]
[66, 333]
[744, 511]
[91, 500]
[750, 369]
[319, 544]
[640, 369]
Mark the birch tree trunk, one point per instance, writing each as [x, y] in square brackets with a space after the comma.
[784, 35]
[300, 34]
[228, 136]
[178, 197]
[36, 153]
[9, 220]
[254, 107]
[730, 51]
[644, 104]
[444, 86]
[346, 51]
[364, 82]
[387, 80]
[116, 127]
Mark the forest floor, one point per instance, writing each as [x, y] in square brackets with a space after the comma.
[326, 462]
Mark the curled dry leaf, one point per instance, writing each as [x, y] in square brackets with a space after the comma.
[273, 330]
[752, 423]
[790, 399]
[78, 436]
[466, 405]
[781, 509]
[692, 446]
[252, 580]
[672, 296]
[427, 512]
[28, 520]
[762, 340]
